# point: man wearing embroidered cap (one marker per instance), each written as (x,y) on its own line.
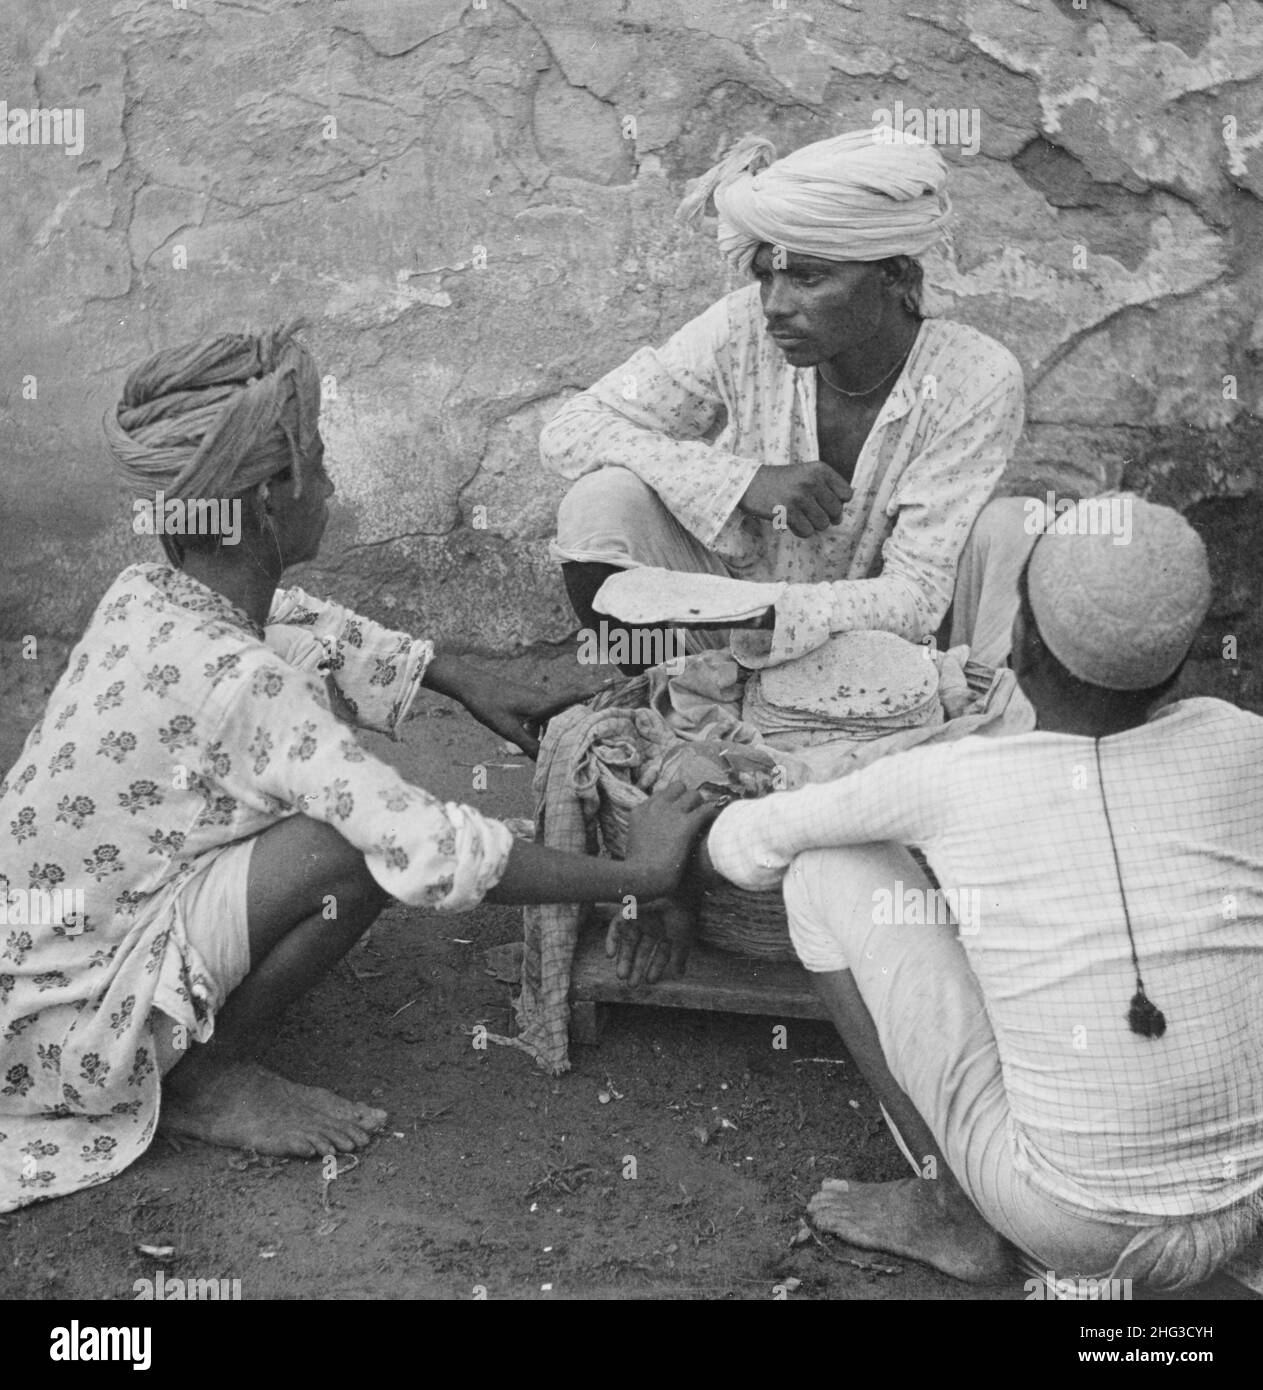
(1080,1069)
(813,427)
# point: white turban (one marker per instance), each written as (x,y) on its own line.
(863,196)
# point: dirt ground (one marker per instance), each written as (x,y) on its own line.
(491,1177)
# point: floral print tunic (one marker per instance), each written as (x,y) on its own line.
(696,418)
(178,728)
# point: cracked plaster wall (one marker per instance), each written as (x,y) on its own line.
(1108,232)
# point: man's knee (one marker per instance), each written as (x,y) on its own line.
(985,600)
(812,931)
(609,494)
(309,859)
(1001,525)
(838,896)
(348,882)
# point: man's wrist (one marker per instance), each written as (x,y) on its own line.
(447,675)
(643,881)
(743,503)
(701,867)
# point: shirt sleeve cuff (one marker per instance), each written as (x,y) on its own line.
(480,872)
(802,625)
(736,848)
(723,515)
(416,665)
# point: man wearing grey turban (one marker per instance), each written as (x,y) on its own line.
(812,428)
(193,833)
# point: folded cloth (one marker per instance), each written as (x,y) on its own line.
(713,766)
(704,699)
(626,737)
(575,745)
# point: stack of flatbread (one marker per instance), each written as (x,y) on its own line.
(857,686)
(645,596)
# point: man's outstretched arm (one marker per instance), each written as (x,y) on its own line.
(903,798)
(515,711)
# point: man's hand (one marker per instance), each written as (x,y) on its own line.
(660,837)
(514,711)
(661,833)
(805,497)
(650,937)
(656,940)
(518,713)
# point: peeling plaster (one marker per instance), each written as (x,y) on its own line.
(503,129)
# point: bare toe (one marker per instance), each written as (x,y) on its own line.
(922,1219)
(344,1111)
(243,1105)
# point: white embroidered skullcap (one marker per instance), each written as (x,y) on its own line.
(1119,606)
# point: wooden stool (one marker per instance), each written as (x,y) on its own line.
(712,980)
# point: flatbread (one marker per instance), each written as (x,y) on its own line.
(874,676)
(645,595)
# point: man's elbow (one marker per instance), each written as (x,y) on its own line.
(565,443)
(923,608)
(552,451)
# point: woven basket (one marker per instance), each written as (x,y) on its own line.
(731,919)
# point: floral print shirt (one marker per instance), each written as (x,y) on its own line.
(696,418)
(179,728)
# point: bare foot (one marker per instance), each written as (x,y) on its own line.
(242,1105)
(921,1218)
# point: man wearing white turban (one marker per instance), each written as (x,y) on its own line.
(812,428)
(193,833)
(1075,1068)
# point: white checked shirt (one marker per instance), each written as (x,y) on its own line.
(1103,1120)
(696,418)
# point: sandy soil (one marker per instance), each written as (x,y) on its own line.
(491,1175)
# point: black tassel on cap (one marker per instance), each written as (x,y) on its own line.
(1144,1016)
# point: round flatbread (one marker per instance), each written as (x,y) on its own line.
(647,595)
(855,675)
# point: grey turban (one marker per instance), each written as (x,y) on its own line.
(193,419)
